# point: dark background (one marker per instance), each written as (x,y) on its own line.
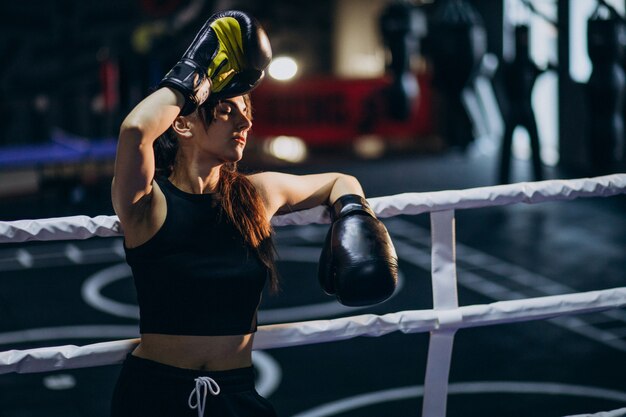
(52,55)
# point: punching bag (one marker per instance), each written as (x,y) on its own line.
(401,25)
(605,92)
(458,43)
(519,76)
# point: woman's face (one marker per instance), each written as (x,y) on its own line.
(227,134)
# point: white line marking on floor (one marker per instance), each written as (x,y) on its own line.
(118,248)
(470,261)
(91,292)
(73,253)
(478,387)
(615,413)
(24,258)
(269,372)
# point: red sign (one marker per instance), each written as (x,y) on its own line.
(333,111)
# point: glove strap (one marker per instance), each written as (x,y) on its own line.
(191,80)
(350,204)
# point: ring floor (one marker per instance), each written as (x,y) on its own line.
(560,367)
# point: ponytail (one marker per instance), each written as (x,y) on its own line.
(244,208)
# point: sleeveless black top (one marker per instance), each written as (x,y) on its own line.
(196,276)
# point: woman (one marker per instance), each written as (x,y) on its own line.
(198,239)
(206,151)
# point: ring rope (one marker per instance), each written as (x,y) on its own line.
(444,320)
(84,227)
(322,331)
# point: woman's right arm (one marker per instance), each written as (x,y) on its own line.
(134,161)
(238,69)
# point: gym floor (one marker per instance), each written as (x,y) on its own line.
(567,366)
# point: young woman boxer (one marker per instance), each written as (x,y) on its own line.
(197,233)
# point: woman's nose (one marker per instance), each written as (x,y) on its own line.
(244,122)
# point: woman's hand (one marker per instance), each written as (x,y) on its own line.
(227,58)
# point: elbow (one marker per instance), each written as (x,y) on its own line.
(131,128)
(348,180)
(134,129)
(344,184)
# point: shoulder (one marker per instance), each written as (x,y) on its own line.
(275,185)
(269,186)
(264,180)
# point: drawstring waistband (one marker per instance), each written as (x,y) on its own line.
(204,385)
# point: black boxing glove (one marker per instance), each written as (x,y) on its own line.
(358,262)
(238,67)
(227,58)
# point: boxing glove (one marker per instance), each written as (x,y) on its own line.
(358,263)
(227,58)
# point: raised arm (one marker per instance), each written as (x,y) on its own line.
(134,161)
(227,58)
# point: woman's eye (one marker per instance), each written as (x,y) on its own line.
(224,109)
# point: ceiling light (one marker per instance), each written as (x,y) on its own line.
(283,68)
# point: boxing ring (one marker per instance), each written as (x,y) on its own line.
(442,322)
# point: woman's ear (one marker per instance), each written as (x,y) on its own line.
(182,126)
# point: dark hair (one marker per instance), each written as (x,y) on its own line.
(240,199)
(165,150)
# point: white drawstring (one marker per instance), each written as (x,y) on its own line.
(204,385)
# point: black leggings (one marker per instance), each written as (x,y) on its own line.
(151,389)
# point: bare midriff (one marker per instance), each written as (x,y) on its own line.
(210,353)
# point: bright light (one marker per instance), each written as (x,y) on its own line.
(287,148)
(369,146)
(283,68)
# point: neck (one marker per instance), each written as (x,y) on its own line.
(196,181)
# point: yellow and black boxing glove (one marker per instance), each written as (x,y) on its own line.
(227,58)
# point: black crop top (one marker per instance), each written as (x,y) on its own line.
(196,276)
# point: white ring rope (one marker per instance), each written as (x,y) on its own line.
(84,227)
(321,331)
(442,322)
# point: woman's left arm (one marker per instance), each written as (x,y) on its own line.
(358,262)
(285,192)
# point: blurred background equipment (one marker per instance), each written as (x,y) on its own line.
(367,78)
(520,75)
(457,45)
(402,25)
(606,39)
